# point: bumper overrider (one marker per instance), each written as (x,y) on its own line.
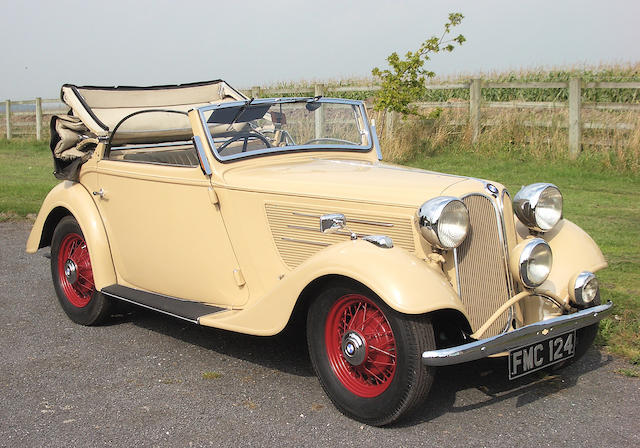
(529,334)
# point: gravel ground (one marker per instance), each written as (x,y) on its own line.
(145,379)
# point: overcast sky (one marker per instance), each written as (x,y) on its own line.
(46,43)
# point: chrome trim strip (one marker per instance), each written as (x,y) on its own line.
(153,145)
(529,334)
(315,243)
(374,137)
(455,263)
(356,221)
(202,156)
(505,239)
(308,215)
(312,229)
(119,297)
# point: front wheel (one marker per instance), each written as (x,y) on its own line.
(73,275)
(367,356)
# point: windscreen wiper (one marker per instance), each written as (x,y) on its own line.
(240,110)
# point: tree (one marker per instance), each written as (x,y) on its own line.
(404,81)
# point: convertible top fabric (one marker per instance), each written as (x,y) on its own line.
(101,108)
(95,111)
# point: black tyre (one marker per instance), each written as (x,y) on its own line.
(73,276)
(367,356)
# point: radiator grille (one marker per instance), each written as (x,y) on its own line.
(483,277)
(296,230)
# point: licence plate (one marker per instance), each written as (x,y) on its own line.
(530,358)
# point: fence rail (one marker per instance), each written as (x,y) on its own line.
(475,104)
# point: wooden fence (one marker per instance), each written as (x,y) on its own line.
(475,105)
(12,125)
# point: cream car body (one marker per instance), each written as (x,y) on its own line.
(241,236)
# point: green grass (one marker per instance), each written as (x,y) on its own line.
(599,199)
(631,373)
(26,177)
(211,375)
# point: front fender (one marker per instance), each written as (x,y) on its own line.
(406,283)
(573,251)
(75,199)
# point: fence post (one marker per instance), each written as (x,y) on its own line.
(319,114)
(38,118)
(7,114)
(255,92)
(475,98)
(389,123)
(575,124)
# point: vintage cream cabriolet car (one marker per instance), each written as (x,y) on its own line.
(244,214)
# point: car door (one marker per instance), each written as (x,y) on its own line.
(165,231)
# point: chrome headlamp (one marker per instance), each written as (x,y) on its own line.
(538,206)
(444,221)
(583,289)
(531,262)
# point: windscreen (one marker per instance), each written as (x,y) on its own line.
(264,126)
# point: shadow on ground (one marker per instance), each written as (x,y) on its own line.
(288,353)
(489,377)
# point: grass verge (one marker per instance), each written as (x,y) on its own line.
(600,200)
(25,177)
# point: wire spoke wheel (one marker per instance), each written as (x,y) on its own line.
(72,275)
(368,357)
(74,270)
(360,345)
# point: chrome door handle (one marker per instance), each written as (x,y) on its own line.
(99,193)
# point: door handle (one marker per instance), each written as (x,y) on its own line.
(99,193)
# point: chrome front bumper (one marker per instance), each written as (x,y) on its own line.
(529,334)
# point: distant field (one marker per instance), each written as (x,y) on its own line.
(601,200)
(607,72)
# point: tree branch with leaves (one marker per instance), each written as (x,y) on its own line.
(404,82)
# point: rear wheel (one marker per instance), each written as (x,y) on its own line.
(368,356)
(73,275)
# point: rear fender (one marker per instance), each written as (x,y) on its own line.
(71,198)
(404,282)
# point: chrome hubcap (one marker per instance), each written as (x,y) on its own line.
(71,271)
(354,348)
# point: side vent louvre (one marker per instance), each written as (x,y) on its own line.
(296,230)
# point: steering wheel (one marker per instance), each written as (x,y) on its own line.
(246,136)
(335,140)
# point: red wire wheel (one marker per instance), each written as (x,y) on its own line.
(74,270)
(360,345)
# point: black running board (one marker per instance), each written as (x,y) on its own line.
(182,309)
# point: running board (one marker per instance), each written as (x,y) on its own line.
(182,309)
